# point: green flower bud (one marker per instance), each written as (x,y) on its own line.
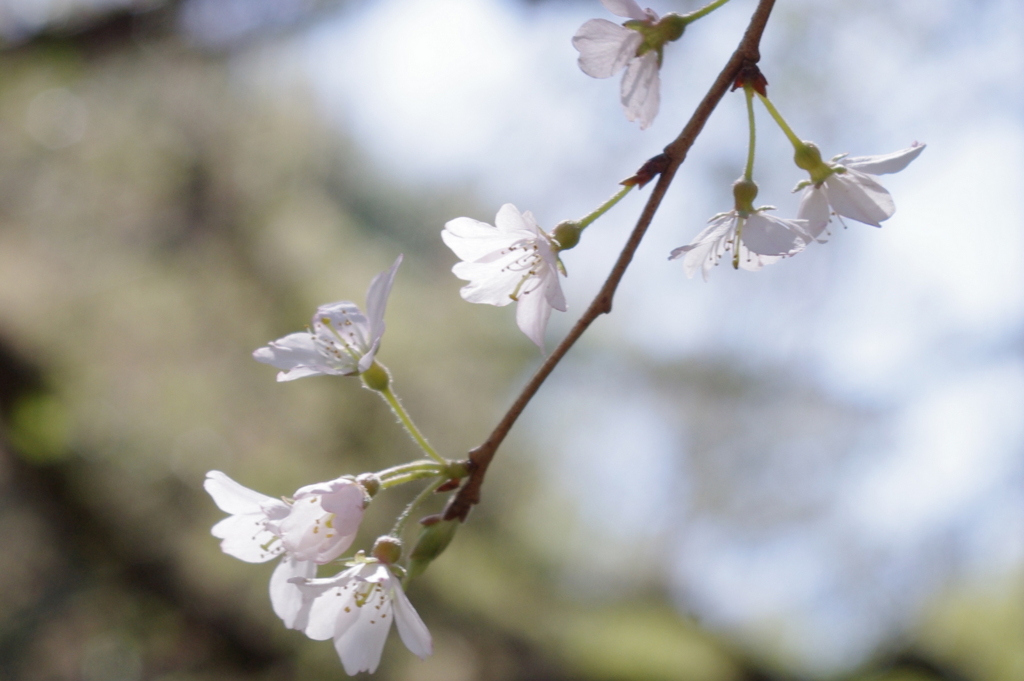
(387,550)
(376,378)
(433,540)
(566,234)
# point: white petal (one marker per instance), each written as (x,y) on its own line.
(640,89)
(247,538)
(532,313)
(471,239)
(285,596)
(296,353)
(377,301)
(814,209)
(490,283)
(625,8)
(888,163)
(605,48)
(513,223)
(232,497)
(707,248)
(752,262)
(411,629)
(858,197)
(766,234)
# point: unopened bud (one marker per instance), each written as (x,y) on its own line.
(566,234)
(376,378)
(433,540)
(387,550)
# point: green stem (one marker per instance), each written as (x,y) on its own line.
(794,140)
(407,472)
(408,477)
(410,427)
(584,222)
(704,11)
(748,173)
(396,531)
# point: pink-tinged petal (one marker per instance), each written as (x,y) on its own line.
(815,210)
(532,314)
(330,600)
(626,8)
(285,596)
(605,48)
(377,300)
(411,629)
(246,538)
(360,647)
(346,500)
(768,235)
(232,497)
(304,530)
(359,643)
(858,197)
(641,89)
(888,163)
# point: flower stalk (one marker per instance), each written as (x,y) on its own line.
(704,11)
(424,494)
(372,380)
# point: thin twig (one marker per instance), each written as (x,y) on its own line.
(480,458)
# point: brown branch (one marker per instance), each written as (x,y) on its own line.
(747,52)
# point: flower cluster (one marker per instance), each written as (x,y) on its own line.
(637,46)
(513,260)
(314,528)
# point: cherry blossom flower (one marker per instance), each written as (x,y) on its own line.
(512,260)
(762,239)
(315,528)
(606,48)
(342,340)
(847,187)
(355,608)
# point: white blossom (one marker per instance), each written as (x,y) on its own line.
(315,528)
(763,239)
(512,260)
(342,341)
(355,608)
(851,190)
(606,48)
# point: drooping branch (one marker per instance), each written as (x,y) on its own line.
(748,52)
